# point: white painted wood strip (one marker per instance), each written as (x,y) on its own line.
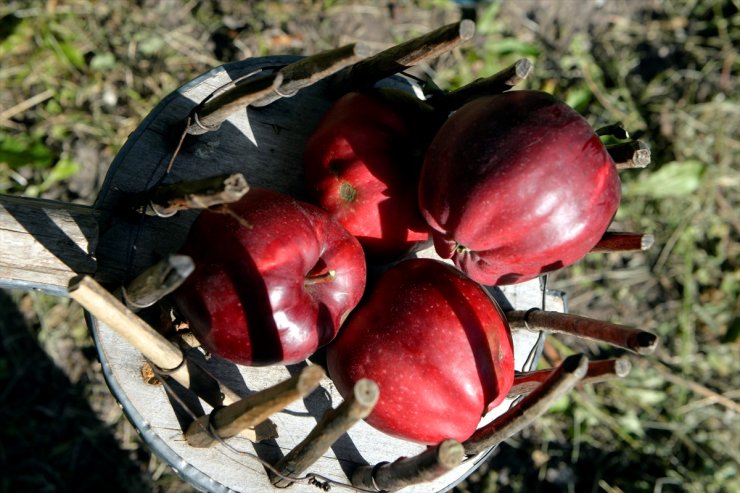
(45,243)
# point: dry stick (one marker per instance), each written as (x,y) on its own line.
(613,241)
(406,471)
(332,425)
(167,200)
(210,114)
(563,379)
(162,353)
(158,281)
(639,341)
(598,371)
(400,57)
(627,155)
(253,409)
(311,69)
(494,84)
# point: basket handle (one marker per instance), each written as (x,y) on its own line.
(46,243)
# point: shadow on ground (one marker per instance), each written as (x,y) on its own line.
(50,438)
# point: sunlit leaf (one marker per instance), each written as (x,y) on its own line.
(22,150)
(63,169)
(674,179)
(103,61)
(73,55)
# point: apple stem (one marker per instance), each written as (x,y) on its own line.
(253,409)
(402,56)
(616,130)
(166,358)
(636,340)
(494,84)
(613,241)
(532,406)
(333,424)
(407,471)
(157,281)
(327,276)
(628,155)
(598,371)
(167,200)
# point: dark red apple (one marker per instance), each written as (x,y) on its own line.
(517,185)
(437,345)
(362,164)
(274,279)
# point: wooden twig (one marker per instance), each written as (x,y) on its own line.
(616,130)
(494,84)
(165,356)
(639,341)
(332,425)
(311,69)
(598,371)
(428,465)
(400,57)
(167,200)
(209,115)
(613,241)
(563,379)
(253,409)
(632,154)
(158,281)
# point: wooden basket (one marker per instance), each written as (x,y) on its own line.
(53,243)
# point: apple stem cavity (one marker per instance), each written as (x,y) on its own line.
(613,241)
(402,56)
(167,200)
(347,192)
(256,408)
(157,281)
(558,383)
(165,357)
(494,84)
(597,372)
(407,471)
(333,424)
(327,276)
(629,155)
(636,340)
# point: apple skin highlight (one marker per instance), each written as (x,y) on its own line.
(254,298)
(437,345)
(517,185)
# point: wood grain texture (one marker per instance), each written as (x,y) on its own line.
(45,244)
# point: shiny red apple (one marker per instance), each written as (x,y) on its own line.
(362,164)
(517,185)
(437,345)
(274,279)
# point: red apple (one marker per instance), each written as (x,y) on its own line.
(274,279)
(437,345)
(517,185)
(362,164)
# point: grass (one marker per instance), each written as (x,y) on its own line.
(77,78)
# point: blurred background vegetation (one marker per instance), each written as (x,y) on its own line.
(77,77)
